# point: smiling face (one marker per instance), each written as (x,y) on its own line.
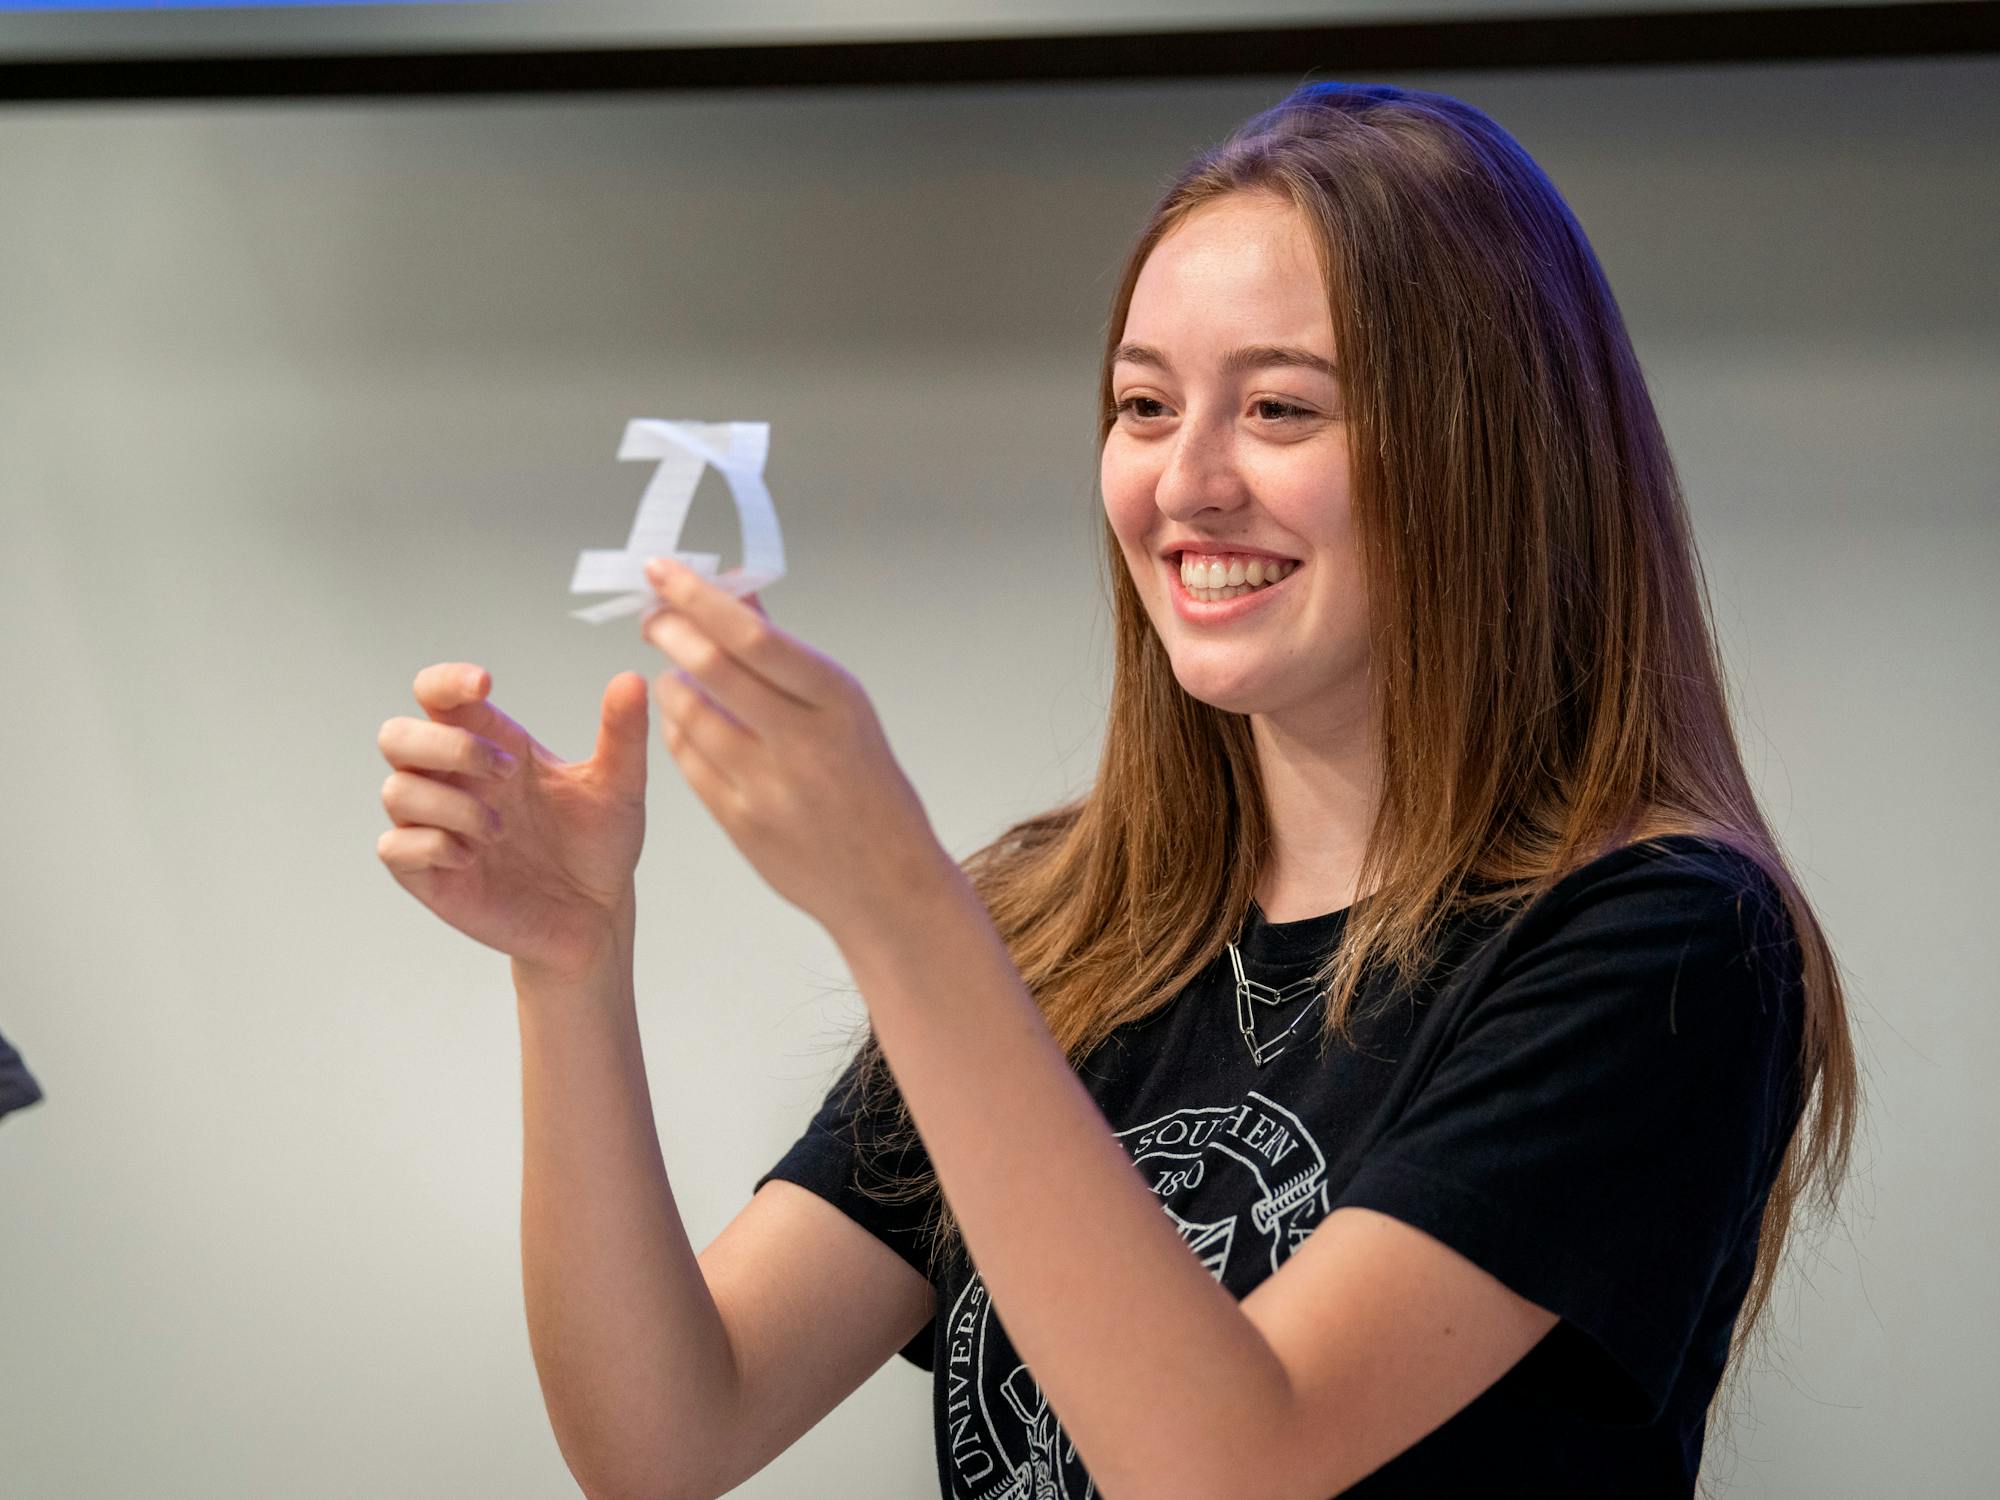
(1227,466)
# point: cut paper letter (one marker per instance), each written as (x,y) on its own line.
(681,450)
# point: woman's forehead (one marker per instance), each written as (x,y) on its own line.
(1241,270)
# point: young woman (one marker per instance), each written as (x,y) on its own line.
(1396,1076)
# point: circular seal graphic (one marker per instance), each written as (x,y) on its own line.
(1245,1181)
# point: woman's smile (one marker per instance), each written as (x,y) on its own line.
(1215,599)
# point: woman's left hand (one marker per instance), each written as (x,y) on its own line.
(785,751)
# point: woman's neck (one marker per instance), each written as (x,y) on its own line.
(1321,783)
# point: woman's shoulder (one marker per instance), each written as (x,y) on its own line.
(1675,857)
(1655,864)
(1684,894)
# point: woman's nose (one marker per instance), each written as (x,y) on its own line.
(1200,474)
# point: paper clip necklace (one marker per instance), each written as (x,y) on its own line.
(1250,994)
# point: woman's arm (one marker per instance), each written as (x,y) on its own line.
(634,1358)
(1147,1360)
(1166,1385)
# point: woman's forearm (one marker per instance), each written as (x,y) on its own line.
(1127,1333)
(634,1360)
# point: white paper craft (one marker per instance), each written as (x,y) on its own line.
(682,449)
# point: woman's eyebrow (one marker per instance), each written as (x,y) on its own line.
(1250,357)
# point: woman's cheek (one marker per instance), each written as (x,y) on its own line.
(1128,502)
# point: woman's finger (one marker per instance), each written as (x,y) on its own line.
(745,633)
(447,685)
(416,800)
(410,850)
(747,698)
(688,724)
(427,745)
(726,743)
(454,692)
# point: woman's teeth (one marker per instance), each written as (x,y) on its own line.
(1210,577)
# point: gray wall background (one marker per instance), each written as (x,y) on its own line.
(296,399)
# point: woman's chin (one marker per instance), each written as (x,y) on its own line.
(1232,694)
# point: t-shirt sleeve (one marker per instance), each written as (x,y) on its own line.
(1613,1110)
(18,1088)
(823,1160)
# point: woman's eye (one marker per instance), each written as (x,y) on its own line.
(1280,411)
(1145,408)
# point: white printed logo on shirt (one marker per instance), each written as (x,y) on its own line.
(1260,1165)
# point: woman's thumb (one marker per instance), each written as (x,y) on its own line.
(621,729)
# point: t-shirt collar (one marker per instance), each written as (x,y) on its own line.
(1306,940)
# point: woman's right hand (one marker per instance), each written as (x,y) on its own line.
(512,845)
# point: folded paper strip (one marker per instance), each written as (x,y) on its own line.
(681,450)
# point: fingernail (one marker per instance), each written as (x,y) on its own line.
(472,682)
(656,568)
(504,764)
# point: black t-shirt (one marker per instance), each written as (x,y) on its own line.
(1591,1107)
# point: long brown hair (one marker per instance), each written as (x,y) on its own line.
(1545,678)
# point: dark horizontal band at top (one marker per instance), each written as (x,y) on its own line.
(1611,39)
